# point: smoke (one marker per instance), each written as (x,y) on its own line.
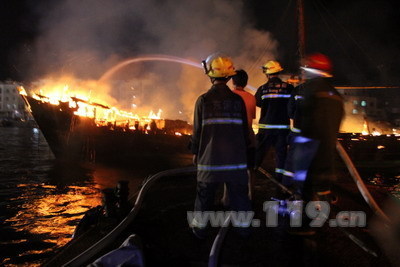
(86,38)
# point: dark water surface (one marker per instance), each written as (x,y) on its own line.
(42,200)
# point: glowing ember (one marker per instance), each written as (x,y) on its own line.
(376,133)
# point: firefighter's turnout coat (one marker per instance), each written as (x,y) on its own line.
(322,112)
(273,98)
(220,136)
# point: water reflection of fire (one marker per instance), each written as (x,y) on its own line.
(55,214)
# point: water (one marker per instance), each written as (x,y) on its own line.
(167,58)
(41,200)
(144,58)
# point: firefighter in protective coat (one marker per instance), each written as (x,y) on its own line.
(219,143)
(272,97)
(322,112)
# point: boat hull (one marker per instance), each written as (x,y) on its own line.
(76,138)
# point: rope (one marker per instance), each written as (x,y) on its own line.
(272,179)
(364,87)
(337,39)
(344,30)
(264,52)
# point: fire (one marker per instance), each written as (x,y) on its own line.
(101,113)
(87,105)
(157,116)
(376,133)
(365,128)
(21,90)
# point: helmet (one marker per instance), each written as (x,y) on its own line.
(318,64)
(272,67)
(219,66)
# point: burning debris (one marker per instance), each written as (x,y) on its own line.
(108,116)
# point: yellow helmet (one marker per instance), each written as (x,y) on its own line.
(272,67)
(219,66)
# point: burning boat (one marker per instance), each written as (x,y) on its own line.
(78,129)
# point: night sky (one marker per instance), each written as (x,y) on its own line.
(360,36)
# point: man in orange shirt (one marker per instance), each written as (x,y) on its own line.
(239,83)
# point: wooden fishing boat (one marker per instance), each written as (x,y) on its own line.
(161,143)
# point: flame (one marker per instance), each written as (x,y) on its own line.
(21,90)
(376,133)
(152,115)
(87,105)
(365,128)
(83,106)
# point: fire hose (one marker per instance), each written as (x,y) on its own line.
(360,183)
(217,244)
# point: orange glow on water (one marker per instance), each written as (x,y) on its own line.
(54,214)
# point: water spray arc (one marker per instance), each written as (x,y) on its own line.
(107,75)
(144,58)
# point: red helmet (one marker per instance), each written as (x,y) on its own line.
(319,64)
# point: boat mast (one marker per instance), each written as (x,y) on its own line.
(301,30)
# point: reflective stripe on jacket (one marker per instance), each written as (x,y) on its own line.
(271,126)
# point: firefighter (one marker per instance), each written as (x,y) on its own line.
(219,143)
(322,112)
(272,97)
